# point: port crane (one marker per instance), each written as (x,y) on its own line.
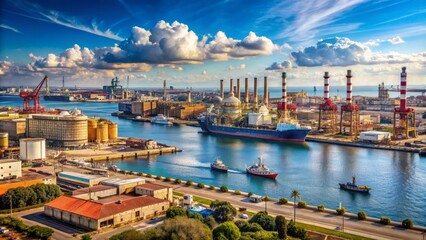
(33,96)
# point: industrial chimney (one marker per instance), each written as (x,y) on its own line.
(238,89)
(164,93)
(246,100)
(255,93)
(349,87)
(189,96)
(231,85)
(284,92)
(403,90)
(222,93)
(326,87)
(265,91)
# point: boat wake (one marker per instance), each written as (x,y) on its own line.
(236,171)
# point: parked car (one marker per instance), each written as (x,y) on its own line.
(4,230)
(244,216)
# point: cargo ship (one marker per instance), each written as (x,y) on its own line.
(282,132)
(59,98)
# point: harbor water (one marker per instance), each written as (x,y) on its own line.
(397,179)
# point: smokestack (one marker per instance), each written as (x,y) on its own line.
(63,85)
(284,91)
(238,89)
(326,87)
(403,90)
(231,85)
(255,93)
(222,93)
(189,96)
(246,100)
(164,93)
(234,90)
(349,87)
(265,91)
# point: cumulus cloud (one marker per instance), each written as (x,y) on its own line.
(242,66)
(280,66)
(396,40)
(344,52)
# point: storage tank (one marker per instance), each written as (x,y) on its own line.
(92,125)
(102,132)
(32,148)
(4,140)
(112,131)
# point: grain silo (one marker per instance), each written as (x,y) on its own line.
(112,131)
(92,125)
(4,140)
(32,149)
(102,132)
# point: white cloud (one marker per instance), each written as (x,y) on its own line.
(179,69)
(204,72)
(344,52)
(280,66)
(242,66)
(286,46)
(9,28)
(396,40)
(373,43)
(230,68)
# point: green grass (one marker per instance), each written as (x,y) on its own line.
(196,198)
(7,211)
(331,232)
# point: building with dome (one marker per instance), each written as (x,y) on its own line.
(262,117)
(230,107)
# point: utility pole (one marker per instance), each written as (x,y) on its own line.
(266,204)
(10,200)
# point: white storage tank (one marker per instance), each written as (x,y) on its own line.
(32,149)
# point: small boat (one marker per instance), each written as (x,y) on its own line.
(259,169)
(351,186)
(161,119)
(218,166)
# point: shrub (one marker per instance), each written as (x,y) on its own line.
(189,183)
(139,174)
(264,220)
(210,221)
(321,208)
(281,226)
(149,175)
(167,179)
(177,180)
(283,200)
(249,194)
(295,231)
(228,230)
(175,211)
(224,189)
(340,211)
(362,215)
(86,237)
(301,204)
(237,192)
(385,220)
(40,232)
(200,185)
(158,177)
(266,198)
(407,223)
(212,187)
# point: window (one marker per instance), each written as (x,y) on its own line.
(163,208)
(10,166)
(138,214)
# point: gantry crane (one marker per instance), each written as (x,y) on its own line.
(33,96)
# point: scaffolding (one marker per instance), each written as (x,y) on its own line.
(349,113)
(327,121)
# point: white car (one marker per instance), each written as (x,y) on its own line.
(244,216)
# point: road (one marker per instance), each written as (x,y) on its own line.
(313,217)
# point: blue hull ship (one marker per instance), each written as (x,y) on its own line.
(283,132)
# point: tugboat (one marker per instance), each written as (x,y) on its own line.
(351,186)
(218,166)
(161,119)
(259,169)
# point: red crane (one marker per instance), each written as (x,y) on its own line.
(33,96)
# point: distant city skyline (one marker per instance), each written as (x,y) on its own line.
(198,43)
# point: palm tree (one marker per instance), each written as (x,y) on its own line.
(295,194)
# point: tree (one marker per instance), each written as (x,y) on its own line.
(264,220)
(179,228)
(223,211)
(228,230)
(295,194)
(362,215)
(224,189)
(281,226)
(86,237)
(210,222)
(283,201)
(40,232)
(175,211)
(407,223)
(130,234)
(245,226)
(195,216)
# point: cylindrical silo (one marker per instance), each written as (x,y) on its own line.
(102,132)
(32,149)
(4,140)
(112,131)
(92,125)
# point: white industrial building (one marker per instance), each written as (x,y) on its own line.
(32,149)
(374,136)
(10,168)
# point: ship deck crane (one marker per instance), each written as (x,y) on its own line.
(33,96)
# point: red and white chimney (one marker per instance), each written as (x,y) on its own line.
(284,92)
(326,87)
(349,87)
(403,90)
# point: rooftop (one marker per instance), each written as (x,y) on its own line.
(151,186)
(8,161)
(96,210)
(119,181)
(80,175)
(97,188)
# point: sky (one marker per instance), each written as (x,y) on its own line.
(197,43)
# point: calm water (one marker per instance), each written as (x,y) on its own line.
(315,169)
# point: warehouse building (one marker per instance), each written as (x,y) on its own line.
(155,190)
(64,130)
(374,136)
(16,128)
(95,193)
(123,185)
(79,179)
(10,168)
(95,215)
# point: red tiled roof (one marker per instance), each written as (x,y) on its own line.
(77,206)
(97,210)
(151,186)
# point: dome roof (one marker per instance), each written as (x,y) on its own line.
(263,110)
(231,101)
(217,99)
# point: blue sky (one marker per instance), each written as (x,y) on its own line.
(196,43)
